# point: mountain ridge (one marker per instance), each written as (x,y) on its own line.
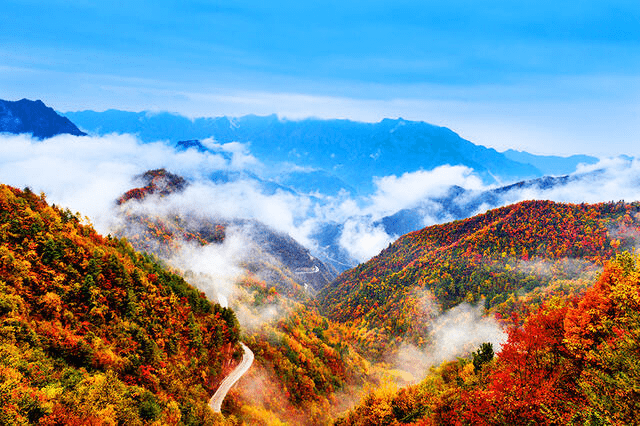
(353,152)
(26,116)
(551,164)
(486,257)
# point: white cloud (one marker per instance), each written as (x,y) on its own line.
(241,158)
(456,332)
(611,179)
(394,193)
(87,174)
(362,240)
(463,328)
(213,268)
(84,174)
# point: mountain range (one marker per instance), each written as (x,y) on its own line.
(358,151)
(320,159)
(331,154)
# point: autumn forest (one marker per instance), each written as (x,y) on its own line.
(336,213)
(95,332)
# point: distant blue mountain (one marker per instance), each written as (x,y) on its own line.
(315,181)
(550,164)
(34,117)
(342,150)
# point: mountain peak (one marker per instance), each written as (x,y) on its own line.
(27,116)
(157,181)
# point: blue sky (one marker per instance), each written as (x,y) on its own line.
(547,77)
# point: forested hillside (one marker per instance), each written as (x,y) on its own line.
(154,228)
(572,361)
(306,372)
(93,332)
(531,248)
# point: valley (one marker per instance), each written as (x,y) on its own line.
(222,288)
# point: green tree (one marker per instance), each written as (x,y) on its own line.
(483,355)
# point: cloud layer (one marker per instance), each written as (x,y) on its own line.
(87,174)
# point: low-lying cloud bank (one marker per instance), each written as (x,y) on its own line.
(87,174)
(611,179)
(454,333)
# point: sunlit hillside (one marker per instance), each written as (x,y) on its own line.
(93,332)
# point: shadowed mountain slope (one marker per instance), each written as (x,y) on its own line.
(25,116)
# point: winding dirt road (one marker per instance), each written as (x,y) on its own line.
(216,400)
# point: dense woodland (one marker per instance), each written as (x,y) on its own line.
(305,368)
(93,331)
(506,258)
(570,361)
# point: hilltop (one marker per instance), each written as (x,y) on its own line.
(274,256)
(493,258)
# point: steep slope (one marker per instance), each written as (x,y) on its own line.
(302,360)
(494,256)
(569,362)
(347,151)
(272,255)
(91,331)
(25,116)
